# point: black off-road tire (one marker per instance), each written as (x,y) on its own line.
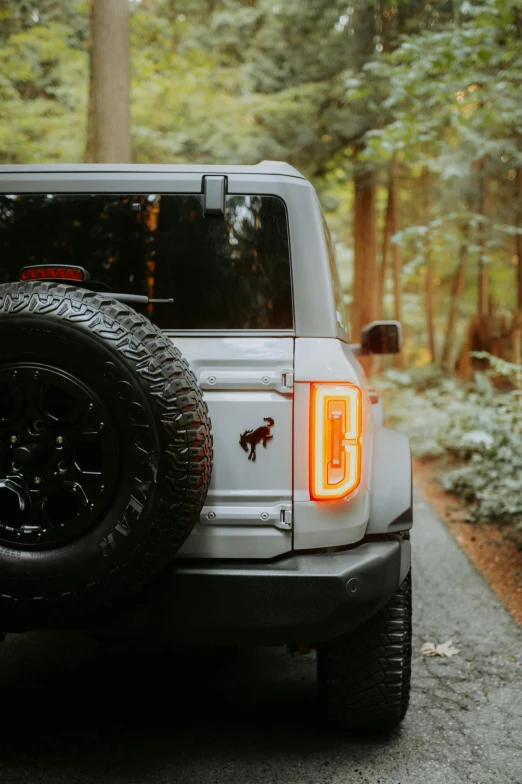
(159,421)
(364,676)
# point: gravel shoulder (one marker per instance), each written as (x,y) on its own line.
(76,712)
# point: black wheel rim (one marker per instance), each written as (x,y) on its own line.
(59,456)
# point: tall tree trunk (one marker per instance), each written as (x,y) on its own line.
(397,256)
(516,339)
(364,307)
(518,240)
(430,284)
(517,324)
(108,125)
(457,291)
(387,234)
(483,282)
(174,26)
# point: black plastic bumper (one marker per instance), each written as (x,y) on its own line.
(299,598)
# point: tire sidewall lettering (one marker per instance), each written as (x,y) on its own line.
(144,459)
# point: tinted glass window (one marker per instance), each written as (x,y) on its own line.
(223,273)
(340,309)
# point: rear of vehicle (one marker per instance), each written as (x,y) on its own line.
(294,513)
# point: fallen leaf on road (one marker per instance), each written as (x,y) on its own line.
(444,649)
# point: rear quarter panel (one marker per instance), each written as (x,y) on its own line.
(328,523)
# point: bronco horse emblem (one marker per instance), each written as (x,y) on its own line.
(251,438)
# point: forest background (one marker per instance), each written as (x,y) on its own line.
(406,116)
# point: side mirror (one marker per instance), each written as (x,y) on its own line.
(381,337)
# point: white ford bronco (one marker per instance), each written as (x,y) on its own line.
(188,444)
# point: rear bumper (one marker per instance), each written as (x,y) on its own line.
(299,598)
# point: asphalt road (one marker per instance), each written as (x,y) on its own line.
(74,712)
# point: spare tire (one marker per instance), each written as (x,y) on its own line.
(105,450)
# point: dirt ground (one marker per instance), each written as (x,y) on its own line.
(489,547)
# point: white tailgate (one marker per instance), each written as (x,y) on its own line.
(246,381)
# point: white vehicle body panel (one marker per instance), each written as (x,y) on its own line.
(247,501)
(327,523)
(248,508)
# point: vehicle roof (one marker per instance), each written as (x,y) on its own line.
(269,168)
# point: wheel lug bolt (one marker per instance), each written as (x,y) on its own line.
(38,425)
(62,467)
(15,467)
(101,425)
(37,480)
(60,440)
(14,439)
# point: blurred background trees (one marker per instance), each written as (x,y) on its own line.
(406,114)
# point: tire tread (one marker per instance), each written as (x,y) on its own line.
(364,676)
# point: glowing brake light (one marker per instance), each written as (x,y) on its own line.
(52,272)
(335,440)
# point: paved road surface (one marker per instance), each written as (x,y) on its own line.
(74,713)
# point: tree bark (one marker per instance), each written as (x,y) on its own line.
(517,325)
(397,256)
(108,125)
(483,282)
(387,234)
(518,241)
(173,16)
(516,339)
(457,291)
(365,304)
(430,284)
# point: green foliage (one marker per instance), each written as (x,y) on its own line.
(453,91)
(315,82)
(212,81)
(42,95)
(478,430)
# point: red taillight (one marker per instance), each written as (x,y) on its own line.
(76,274)
(335,440)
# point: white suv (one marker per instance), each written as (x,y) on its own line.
(187,440)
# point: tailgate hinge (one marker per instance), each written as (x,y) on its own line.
(285,520)
(287,382)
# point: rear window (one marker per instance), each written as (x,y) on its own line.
(229,273)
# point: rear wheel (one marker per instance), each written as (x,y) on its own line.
(364,676)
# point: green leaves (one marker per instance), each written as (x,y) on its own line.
(477,426)
(310,81)
(42,95)
(462,78)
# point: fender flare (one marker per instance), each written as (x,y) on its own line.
(391,504)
